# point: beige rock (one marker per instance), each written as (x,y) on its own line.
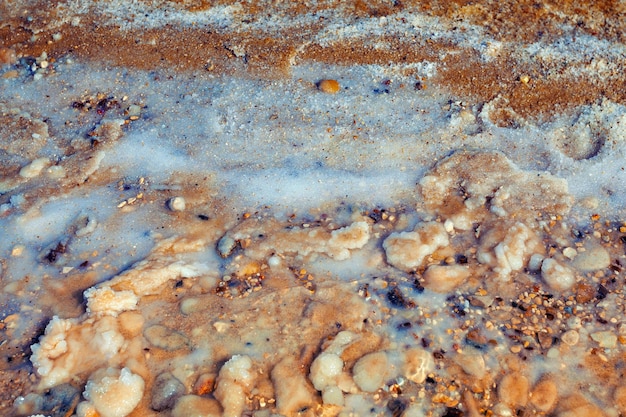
(417,364)
(472,363)
(370,372)
(445,278)
(195,406)
(606,339)
(513,389)
(578,406)
(291,388)
(544,395)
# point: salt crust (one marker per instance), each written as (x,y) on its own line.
(70,347)
(73,346)
(469,185)
(407,250)
(336,244)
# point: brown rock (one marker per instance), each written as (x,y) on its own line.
(513,389)
(584,292)
(544,396)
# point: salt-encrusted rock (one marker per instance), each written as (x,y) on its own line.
(292,390)
(195,406)
(34,168)
(325,370)
(69,348)
(592,259)
(417,364)
(513,390)
(104,300)
(544,395)
(558,276)
(508,249)
(114,393)
(407,250)
(445,278)
(370,372)
(234,382)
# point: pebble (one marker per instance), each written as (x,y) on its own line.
(176,204)
(513,389)
(60,401)
(570,337)
(369,372)
(328,86)
(165,391)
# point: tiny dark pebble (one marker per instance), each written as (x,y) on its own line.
(453,412)
(60,401)
(165,391)
(397,406)
(203,217)
(602,292)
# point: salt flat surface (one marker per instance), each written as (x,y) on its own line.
(305,166)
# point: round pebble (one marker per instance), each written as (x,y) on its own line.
(176,204)
(328,86)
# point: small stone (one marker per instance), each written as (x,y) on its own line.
(584,292)
(369,372)
(472,363)
(545,340)
(328,86)
(443,279)
(176,204)
(570,253)
(570,337)
(524,79)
